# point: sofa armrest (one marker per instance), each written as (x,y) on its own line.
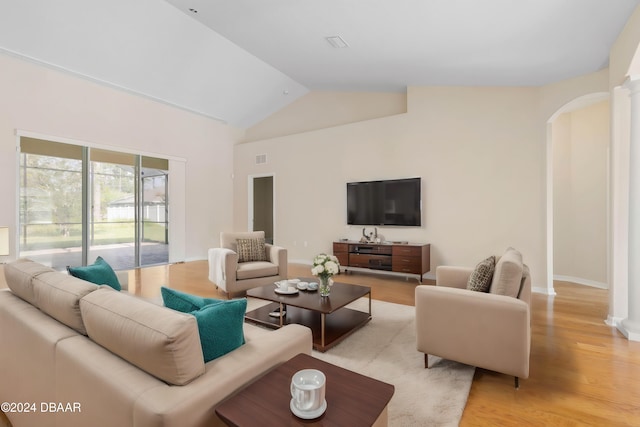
(223,264)
(194,404)
(278,256)
(453,277)
(484,330)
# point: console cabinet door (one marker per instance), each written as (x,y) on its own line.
(341,251)
(407,259)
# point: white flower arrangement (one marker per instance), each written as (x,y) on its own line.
(325,266)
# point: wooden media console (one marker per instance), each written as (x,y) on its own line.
(409,258)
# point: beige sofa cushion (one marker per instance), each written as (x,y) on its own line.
(158,340)
(251,270)
(59,294)
(19,274)
(508,274)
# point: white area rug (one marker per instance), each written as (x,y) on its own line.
(385,349)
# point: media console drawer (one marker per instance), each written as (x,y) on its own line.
(397,257)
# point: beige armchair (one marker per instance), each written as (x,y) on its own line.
(243,261)
(489,330)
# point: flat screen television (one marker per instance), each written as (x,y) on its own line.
(390,202)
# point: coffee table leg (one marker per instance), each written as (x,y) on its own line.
(282,307)
(322,316)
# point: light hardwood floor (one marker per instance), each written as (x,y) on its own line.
(583,372)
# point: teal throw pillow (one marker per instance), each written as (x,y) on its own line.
(100,273)
(220,326)
(181,301)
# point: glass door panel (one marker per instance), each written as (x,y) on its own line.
(112,213)
(50,211)
(78,203)
(154,236)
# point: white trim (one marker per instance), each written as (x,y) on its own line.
(580,281)
(36,135)
(613,321)
(544,291)
(628,331)
(549,209)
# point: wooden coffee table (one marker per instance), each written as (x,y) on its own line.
(327,317)
(352,399)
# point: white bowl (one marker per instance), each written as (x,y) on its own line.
(302,285)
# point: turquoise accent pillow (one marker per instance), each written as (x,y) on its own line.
(100,273)
(220,326)
(184,302)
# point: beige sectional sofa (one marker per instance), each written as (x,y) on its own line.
(77,354)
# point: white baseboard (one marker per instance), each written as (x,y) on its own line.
(613,321)
(544,291)
(580,281)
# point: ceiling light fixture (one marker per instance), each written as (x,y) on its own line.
(337,42)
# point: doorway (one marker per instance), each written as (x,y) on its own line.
(261,205)
(577,192)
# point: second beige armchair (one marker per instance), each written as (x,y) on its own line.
(490,330)
(244,261)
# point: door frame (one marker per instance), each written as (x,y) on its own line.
(250,200)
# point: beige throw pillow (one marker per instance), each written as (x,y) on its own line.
(480,278)
(251,250)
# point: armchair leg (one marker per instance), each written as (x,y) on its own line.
(517,383)
(426,361)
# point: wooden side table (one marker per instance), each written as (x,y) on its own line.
(352,399)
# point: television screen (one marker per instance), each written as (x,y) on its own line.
(390,202)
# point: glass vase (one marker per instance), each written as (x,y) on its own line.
(324,287)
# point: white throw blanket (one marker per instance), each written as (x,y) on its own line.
(217,258)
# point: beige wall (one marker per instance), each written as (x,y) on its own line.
(580,155)
(479,151)
(320,110)
(623,53)
(49,102)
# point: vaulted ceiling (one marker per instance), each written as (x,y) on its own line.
(242,60)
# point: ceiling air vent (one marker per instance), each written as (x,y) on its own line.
(261,159)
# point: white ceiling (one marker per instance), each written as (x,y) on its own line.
(398,43)
(242,60)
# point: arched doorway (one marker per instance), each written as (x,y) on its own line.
(577,192)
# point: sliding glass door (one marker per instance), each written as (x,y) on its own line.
(154,229)
(78,203)
(51,202)
(112,222)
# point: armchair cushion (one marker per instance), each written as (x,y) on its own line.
(508,275)
(480,279)
(251,270)
(251,250)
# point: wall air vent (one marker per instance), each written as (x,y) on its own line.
(261,159)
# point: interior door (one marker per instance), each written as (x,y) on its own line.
(263,206)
